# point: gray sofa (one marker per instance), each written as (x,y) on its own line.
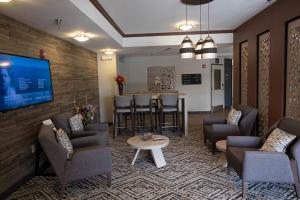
(253,165)
(216,128)
(99,131)
(90,158)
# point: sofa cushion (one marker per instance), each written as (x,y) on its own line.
(235,157)
(63,139)
(76,124)
(278,141)
(234,117)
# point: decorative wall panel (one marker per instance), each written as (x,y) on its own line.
(244,72)
(293,70)
(263,81)
(161,79)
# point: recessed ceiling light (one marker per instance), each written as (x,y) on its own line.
(185,27)
(81,37)
(5,1)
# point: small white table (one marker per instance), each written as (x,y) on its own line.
(139,144)
(221,146)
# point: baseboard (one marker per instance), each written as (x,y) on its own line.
(21,182)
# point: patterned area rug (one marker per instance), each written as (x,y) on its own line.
(192,172)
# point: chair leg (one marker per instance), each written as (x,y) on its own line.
(245,188)
(297,188)
(62,192)
(204,140)
(214,148)
(108,174)
(228,169)
(151,122)
(119,123)
(114,121)
(160,122)
(132,123)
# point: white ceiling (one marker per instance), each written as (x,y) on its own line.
(41,14)
(133,16)
(144,16)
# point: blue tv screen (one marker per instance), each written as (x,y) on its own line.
(23,82)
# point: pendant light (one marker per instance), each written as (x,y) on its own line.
(209,48)
(187,50)
(199,44)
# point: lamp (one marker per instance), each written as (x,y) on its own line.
(209,47)
(5,1)
(81,37)
(187,49)
(198,49)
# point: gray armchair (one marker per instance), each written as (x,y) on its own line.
(216,128)
(89,157)
(253,165)
(100,131)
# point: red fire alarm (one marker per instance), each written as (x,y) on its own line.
(203,65)
(42,54)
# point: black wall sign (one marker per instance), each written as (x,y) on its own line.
(191,79)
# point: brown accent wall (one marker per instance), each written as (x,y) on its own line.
(274,19)
(74,74)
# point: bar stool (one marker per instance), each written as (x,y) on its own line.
(123,107)
(169,105)
(142,107)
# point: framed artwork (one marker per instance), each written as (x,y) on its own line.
(161,79)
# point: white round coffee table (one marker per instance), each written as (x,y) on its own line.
(139,144)
(221,146)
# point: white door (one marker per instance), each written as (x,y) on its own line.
(217,83)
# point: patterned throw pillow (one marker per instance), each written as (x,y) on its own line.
(278,141)
(76,123)
(63,139)
(234,117)
(48,122)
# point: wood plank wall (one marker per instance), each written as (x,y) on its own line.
(74,74)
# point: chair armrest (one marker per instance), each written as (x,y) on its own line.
(214,120)
(83,134)
(90,161)
(96,127)
(90,140)
(225,129)
(243,141)
(267,166)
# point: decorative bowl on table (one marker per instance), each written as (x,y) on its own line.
(147,136)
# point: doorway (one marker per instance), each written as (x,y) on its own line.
(217,87)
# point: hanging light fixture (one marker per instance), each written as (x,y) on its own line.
(187,49)
(198,49)
(209,47)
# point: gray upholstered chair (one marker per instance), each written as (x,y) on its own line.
(169,105)
(100,129)
(89,159)
(142,105)
(259,166)
(123,107)
(216,128)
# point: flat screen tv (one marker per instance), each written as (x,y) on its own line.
(24,81)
